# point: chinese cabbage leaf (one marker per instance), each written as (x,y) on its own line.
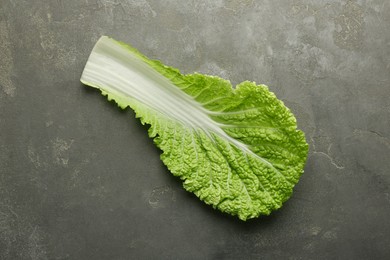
(236,149)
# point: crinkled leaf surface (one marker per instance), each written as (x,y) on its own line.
(236,149)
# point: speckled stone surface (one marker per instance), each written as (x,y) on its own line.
(80,179)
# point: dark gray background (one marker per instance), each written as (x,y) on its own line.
(80,179)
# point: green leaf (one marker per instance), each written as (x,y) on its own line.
(236,149)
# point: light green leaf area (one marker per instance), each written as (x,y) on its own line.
(237,149)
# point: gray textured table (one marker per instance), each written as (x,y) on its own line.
(80,179)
